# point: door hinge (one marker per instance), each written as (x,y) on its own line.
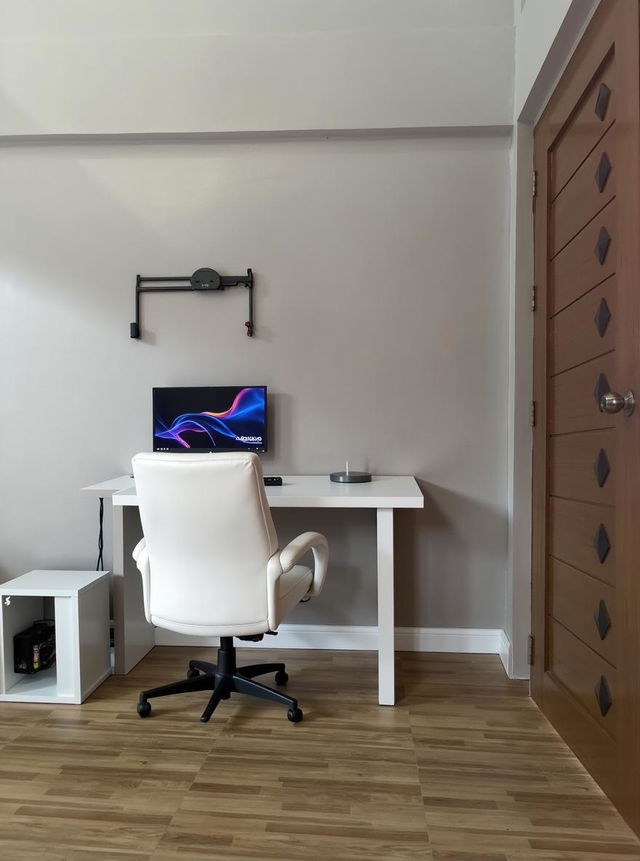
(532,414)
(534,184)
(531,645)
(533,297)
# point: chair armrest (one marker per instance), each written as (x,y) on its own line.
(317,544)
(137,550)
(141,557)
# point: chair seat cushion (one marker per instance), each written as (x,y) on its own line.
(292,586)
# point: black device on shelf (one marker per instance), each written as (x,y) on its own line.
(34,649)
(273,481)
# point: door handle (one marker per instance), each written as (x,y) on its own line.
(612,402)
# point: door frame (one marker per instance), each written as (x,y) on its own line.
(519,395)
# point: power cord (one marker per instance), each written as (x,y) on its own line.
(100,562)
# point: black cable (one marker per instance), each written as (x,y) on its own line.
(100,562)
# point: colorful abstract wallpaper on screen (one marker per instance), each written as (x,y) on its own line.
(209,418)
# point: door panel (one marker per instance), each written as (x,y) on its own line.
(582,733)
(583,535)
(583,467)
(588,191)
(587,127)
(575,396)
(587,676)
(585,606)
(585,329)
(579,267)
(586,464)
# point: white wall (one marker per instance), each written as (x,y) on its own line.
(381,260)
(381,311)
(142,66)
(546,34)
(518,592)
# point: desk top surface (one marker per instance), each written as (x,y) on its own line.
(301,491)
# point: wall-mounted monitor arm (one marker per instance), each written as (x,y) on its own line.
(202,280)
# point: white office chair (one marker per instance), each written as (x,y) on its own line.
(211,566)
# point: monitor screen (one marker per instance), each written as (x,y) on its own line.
(212,418)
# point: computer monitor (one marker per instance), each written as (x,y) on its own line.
(210,418)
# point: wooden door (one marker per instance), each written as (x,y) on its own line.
(586,494)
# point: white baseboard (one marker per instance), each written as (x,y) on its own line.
(506,655)
(487,641)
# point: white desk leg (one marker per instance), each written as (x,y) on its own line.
(133,635)
(386,622)
(117,581)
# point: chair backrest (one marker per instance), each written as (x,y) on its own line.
(209,533)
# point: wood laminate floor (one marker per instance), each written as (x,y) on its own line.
(464,768)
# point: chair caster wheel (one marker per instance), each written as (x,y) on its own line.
(144,709)
(281,677)
(295,715)
(191,674)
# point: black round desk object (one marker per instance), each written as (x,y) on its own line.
(205,279)
(350,477)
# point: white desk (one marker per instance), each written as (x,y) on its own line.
(134,637)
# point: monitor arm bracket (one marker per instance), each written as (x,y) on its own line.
(202,280)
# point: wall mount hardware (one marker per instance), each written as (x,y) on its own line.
(203,280)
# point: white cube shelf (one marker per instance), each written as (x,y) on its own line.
(80,602)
